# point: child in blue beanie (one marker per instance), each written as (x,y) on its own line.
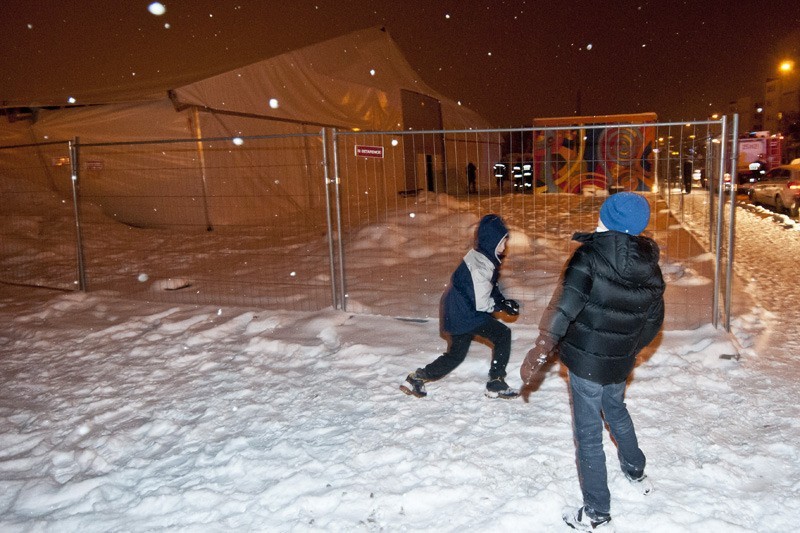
(609,306)
(467,308)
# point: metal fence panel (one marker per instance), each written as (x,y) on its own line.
(257,214)
(554,182)
(277,232)
(37,222)
(389,197)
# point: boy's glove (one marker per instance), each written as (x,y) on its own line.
(537,357)
(511,307)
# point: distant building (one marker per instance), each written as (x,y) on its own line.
(751,114)
(781,96)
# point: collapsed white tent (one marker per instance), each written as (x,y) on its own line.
(354,81)
(359,81)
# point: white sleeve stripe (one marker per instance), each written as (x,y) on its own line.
(481,270)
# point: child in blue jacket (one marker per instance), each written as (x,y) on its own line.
(467,309)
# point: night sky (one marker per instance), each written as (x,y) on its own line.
(508,60)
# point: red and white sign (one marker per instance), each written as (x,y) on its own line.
(369,151)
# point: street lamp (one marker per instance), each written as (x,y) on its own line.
(780,94)
(788,104)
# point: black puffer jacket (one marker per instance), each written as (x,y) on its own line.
(610,305)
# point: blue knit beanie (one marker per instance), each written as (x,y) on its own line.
(626,212)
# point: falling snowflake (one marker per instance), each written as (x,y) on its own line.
(157,8)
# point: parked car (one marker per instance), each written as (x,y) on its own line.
(778,188)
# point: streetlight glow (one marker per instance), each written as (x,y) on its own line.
(786,66)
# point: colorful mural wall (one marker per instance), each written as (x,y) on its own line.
(609,158)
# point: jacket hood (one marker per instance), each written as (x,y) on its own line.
(491,231)
(633,257)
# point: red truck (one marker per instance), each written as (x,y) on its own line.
(758,153)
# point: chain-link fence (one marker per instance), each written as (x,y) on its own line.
(547,182)
(38,234)
(306,221)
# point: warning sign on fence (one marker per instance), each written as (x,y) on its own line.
(369,151)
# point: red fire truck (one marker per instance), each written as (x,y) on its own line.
(758,152)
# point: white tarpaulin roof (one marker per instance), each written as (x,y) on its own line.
(359,81)
(351,81)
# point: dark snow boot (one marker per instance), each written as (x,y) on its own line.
(414,385)
(584,520)
(498,388)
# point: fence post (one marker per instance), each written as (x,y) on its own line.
(327,182)
(338,201)
(710,184)
(74,169)
(732,219)
(720,204)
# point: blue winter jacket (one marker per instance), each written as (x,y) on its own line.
(473,295)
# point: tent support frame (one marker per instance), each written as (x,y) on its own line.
(198,134)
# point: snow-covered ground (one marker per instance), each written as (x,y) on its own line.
(122,415)
(766,251)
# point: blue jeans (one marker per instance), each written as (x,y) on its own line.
(591,402)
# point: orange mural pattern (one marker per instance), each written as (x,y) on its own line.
(582,159)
